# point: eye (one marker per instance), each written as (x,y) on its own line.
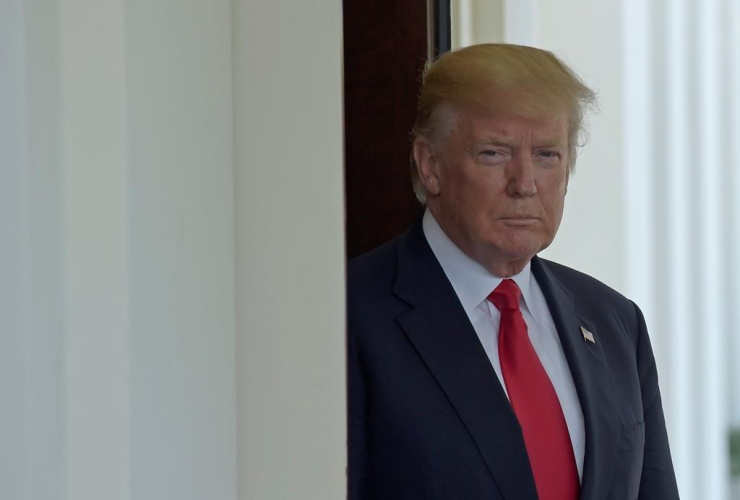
(549,156)
(492,156)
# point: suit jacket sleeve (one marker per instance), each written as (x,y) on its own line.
(658,479)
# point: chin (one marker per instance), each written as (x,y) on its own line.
(520,243)
(523,251)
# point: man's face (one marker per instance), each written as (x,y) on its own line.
(496,184)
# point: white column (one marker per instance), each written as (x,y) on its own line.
(289,249)
(733,166)
(180,209)
(95,188)
(13,228)
(637,150)
(117,295)
(121,310)
(676,346)
(711,329)
(36,344)
(685,45)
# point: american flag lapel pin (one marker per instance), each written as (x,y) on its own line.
(588,335)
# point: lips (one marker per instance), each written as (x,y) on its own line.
(519,220)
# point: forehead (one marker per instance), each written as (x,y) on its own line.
(510,112)
(485,126)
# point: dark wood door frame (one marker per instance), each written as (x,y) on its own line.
(386,46)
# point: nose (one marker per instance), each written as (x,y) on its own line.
(520,180)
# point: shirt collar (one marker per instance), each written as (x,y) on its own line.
(472,282)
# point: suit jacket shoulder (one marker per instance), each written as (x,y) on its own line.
(370,282)
(373,269)
(594,299)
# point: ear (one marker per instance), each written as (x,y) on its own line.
(427,165)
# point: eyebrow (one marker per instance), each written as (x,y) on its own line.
(493,141)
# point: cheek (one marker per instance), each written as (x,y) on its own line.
(473,195)
(554,201)
(554,188)
(556,211)
(557,198)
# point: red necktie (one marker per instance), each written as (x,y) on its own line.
(534,401)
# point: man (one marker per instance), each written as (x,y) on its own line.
(477,370)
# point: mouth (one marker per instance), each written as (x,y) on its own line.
(519,220)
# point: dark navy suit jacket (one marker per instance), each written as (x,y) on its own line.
(428,418)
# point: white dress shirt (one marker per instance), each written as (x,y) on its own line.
(472,284)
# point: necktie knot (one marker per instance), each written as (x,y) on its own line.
(506,296)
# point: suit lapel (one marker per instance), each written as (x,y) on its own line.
(441,333)
(592,380)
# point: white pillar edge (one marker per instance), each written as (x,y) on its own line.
(637,140)
(43,301)
(679,258)
(734,168)
(290,254)
(14,456)
(710,342)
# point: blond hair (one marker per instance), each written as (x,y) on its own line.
(536,79)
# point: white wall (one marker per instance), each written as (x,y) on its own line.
(290,249)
